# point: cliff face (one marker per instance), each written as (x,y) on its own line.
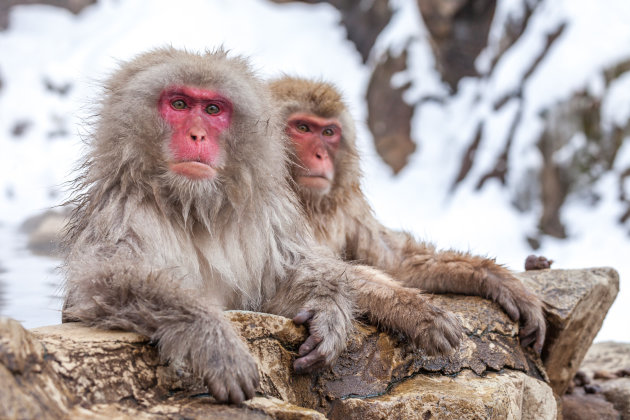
(71,370)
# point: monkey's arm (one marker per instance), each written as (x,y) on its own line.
(316,294)
(420,265)
(121,294)
(387,303)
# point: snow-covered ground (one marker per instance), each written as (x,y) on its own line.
(49,45)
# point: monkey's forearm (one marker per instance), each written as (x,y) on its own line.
(150,303)
(406,310)
(456,272)
(448,272)
(317,294)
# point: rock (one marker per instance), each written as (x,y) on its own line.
(75,6)
(389,116)
(513,395)
(587,407)
(70,370)
(459,30)
(363,23)
(45,231)
(613,358)
(576,303)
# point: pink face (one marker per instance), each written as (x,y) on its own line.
(197,118)
(316,142)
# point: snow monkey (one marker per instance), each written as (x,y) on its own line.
(327,179)
(184,209)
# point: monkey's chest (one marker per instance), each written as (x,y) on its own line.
(232,274)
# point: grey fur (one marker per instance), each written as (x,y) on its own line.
(156,253)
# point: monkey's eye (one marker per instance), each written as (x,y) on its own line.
(212,109)
(178,104)
(303,128)
(328,132)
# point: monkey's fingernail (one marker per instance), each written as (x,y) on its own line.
(302,317)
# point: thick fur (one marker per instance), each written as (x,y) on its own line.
(343,221)
(156,253)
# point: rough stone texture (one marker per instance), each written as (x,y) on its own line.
(576,303)
(607,365)
(466,396)
(70,370)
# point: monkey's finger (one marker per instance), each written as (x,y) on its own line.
(218,391)
(311,342)
(529,329)
(453,336)
(540,340)
(309,362)
(249,389)
(236,393)
(302,317)
(510,307)
(526,340)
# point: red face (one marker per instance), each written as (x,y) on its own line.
(316,142)
(197,118)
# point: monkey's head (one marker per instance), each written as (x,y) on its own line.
(188,127)
(325,163)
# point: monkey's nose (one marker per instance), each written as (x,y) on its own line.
(321,155)
(197,135)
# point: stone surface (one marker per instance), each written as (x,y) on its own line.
(587,407)
(576,303)
(610,360)
(70,370)
(466,396)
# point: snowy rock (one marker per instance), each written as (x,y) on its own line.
(389,116)
(576,303)
(459,30)
(71,370)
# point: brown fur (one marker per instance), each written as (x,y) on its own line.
(159,254)
(344,221)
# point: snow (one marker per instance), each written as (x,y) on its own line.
(47,43)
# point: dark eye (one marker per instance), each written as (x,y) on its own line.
(303,128)
(328,132)
(212,109)
(178,104)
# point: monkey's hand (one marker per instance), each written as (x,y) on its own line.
(522,306)
(326,340)
(217,355)
(435,330)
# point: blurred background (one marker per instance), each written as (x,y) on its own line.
(498,127)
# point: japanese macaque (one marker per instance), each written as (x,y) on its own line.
(184,208)
(327,179)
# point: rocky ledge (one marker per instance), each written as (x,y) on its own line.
(72,371)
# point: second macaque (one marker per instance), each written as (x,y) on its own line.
(327,178)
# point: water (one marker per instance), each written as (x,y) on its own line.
(29,284)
